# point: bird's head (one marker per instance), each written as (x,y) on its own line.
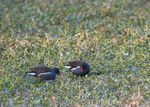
(57,71)
(85,66)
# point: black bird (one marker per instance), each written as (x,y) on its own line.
(78,68)
(44,72)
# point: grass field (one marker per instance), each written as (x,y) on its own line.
(113,36)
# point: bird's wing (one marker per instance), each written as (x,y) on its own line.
(41,68)
(78,72)
(50,76)
(74,64)
(45,73)
(76,69)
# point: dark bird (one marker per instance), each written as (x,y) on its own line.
(78,68)
(44,72)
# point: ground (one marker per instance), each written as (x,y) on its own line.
(113,36)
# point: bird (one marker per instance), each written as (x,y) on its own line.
(78,68)
(44,72)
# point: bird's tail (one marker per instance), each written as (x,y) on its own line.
(30,73)
(67,66)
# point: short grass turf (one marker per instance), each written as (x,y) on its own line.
(111,35)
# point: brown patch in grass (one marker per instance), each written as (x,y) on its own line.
(54,101)
(133,101)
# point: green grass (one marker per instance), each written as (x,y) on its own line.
(113,36)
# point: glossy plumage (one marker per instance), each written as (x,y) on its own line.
(78,68)
(44,72)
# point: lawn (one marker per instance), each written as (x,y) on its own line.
(113,36)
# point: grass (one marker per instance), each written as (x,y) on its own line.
(113,36)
